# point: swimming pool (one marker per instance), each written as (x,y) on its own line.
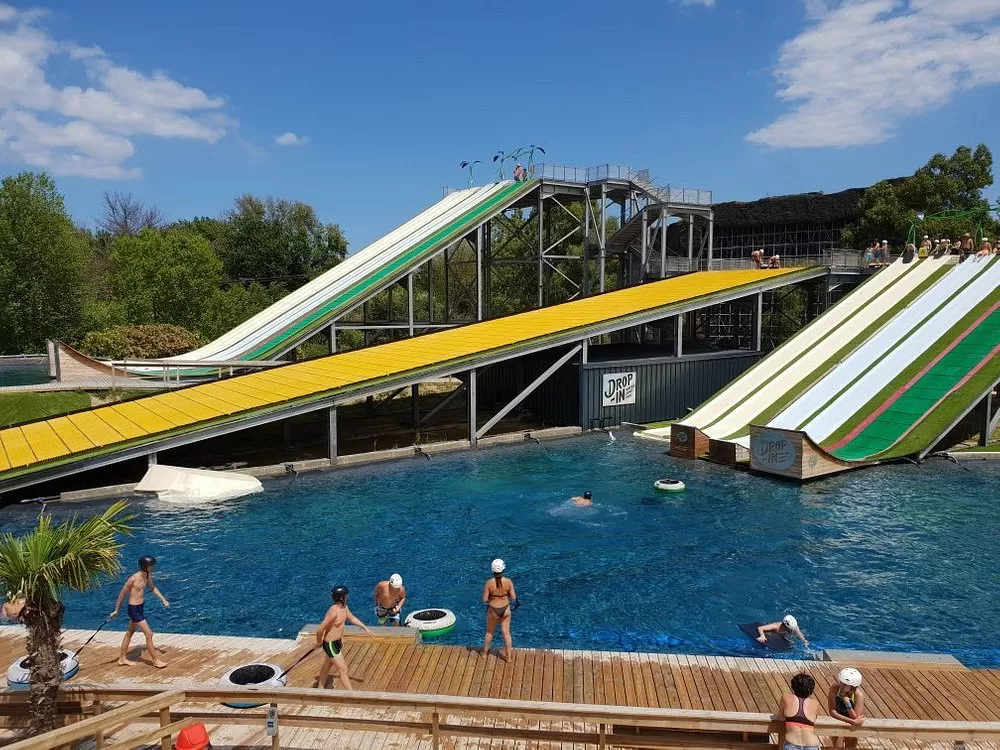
(896,557)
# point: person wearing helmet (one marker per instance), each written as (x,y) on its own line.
(500,598)
(330,635)
(135,587)
(390,596)
(583,501)
(846,702)
(787,627)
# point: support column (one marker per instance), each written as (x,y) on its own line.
(603,230)
(585,351)
(364,320)
(415,403)
(331,441)
(331,333)
(473,440)
(690,235)
(757,320)
(987,424)
(430,290)
(479,272)
(541,248)
(447,289)
(409,301)
(679,339)
(643,257)
(152,459)
(711,235)
(664,217)
(587,213)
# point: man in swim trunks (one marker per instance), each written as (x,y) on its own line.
(135,587)
(500,599)
(390,596)
(330,636)
(583,501)
(788,626)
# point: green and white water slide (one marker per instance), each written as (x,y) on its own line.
(300,314)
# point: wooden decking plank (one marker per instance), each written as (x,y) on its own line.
(425,669)
(625,685)
(604,682)
(985,684)
(440,669)
(735,695)
(666,695)
(941,706)
(896,705)
(404,668)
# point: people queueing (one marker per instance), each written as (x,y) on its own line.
(798,711)
(757,256)
(135,587)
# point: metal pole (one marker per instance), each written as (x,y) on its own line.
(663,243)
(479,272)
(447,291)
(604,228)
(332,436)
(758,316)
(586,238)
(645,240)
(473,438)
(332,333)
(679,341)
(986,423)
(409,300)
(711,235)
(585,351)
(430,290)
(151,459)
(690,236)
(541,248)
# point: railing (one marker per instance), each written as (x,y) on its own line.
(641,177)
(171,371)
(441,716)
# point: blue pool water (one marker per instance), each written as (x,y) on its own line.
(896,557)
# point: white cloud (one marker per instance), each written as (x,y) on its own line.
(87,130)
(290,139)
(861,67)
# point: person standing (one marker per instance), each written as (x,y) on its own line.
(968,246)
(846,702)
(797,711)
(135,587)
(500,600)
(390,596)
(330,635)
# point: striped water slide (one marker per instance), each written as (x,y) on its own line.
(769,392)
(305,310)
(733,394)
(940,309)
(825,391)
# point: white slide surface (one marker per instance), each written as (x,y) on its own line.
(866,355)
(983,278)
(768,392)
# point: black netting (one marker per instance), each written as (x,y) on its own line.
(252,674)
(429,614)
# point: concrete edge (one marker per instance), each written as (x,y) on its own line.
(974,455)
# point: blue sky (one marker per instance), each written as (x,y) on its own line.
(182,103)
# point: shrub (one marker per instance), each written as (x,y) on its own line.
(140,342)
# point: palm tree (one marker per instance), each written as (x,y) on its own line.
(470,165)
(39,567)
(501,157)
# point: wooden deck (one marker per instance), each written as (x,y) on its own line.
(916,691)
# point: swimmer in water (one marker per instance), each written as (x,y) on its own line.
(787,627)
(584,501)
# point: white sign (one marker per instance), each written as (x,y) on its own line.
(618,388)
(271,722)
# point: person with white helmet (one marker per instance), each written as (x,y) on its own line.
(787,627)
(390,596)
(500,600)
(846,702)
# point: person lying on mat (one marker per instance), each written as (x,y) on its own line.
(787,626)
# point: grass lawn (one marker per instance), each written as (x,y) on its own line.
(657,425)
(16,408)
(994,448)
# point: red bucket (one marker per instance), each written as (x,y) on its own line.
(194,737)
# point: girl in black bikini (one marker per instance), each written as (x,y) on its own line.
(499,596)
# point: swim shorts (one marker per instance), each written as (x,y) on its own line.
(384,615)
(333,648)
(135,612)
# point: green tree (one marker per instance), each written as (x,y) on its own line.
(44,265)
(231,306)
(39,567)
(273,240)
(165,277)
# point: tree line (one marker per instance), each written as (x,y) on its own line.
(139,285)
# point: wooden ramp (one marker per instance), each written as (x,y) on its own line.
(401,664)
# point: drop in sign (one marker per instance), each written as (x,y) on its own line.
(618,389)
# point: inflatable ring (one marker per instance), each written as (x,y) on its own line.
(253,675)
(669,485)
(431,622)
(19,674)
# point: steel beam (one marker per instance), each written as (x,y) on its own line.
(604,229)
(442,404)
(473,436)
(989,422)
(331,332)
(645,246)
(711,235)
(479,272)
(409,301)
(529,390)
(664,218)
(541,249)
(331,440)
(690,236)
(679,341)
(758,320)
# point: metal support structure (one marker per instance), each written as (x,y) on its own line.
(409,301)
(430,290)
(690,236)
(332,436)
(664,218)
(331,332)
(529,390)
(679,340)
(758,316)
(587,218)
(479,272)
(585,351)
(644,256)
(152,459)
(711,234)
(604,230)
(541,249)
(447,287)
(989,422)
(442,404)
(473,436)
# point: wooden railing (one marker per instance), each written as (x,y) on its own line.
(441,716)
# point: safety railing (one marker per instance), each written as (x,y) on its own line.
(167,372)
(172,708)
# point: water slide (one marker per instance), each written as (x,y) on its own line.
(767,388)
(271,332)
(822,409)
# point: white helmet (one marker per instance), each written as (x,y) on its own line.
(790,622)
(850,677)
(396,581)
(498,566)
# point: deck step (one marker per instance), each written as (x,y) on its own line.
(893,659)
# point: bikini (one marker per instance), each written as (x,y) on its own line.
(800,719)
(500,611)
